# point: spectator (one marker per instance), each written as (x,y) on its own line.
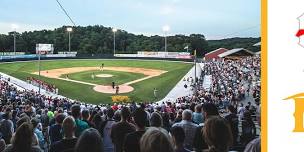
(156,120)
(117,116)
(7,127)
(255,144)
(197,115)
(156,140)
(67,144)
(233,121)
(178,136)
(55,130)
(106,127)
(14,118)
(45,120)
(188,127)
(121,129)
(80,125)
(131,142)
(22,141)
(22,120)
(178,116)
(1,109)
(89,141)
(50,114)
(217,134)
(209,110)
(2,145)
(37,131)
(166,121)
(97,122)
(248,129)
(85,117)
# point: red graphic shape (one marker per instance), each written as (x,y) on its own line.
(300,33)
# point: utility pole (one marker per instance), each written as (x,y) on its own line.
(15,42)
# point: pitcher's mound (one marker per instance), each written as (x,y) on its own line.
(110,90)
(104,75)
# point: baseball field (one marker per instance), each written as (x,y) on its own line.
(88,81)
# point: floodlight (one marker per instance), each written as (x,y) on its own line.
(166,28)
(15,27)
(69,29)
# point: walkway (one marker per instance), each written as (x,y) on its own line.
(179,90)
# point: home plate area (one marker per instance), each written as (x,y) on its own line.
(110,90)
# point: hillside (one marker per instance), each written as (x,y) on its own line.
(99,40)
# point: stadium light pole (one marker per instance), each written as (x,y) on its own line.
(39,69)
(14,26)
(69,29)
(166,29)
(114,31)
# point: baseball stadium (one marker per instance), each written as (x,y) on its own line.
(85,76)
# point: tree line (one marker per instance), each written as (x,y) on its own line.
(99,40)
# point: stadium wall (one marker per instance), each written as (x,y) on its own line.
(79,56)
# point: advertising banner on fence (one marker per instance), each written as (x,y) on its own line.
(32,56)
(11,53)
(18,57)
(146,54)
(59,55)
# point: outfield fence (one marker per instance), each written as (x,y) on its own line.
(29,57)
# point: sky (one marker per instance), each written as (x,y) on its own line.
(216,19)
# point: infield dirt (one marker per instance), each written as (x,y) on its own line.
(124,88)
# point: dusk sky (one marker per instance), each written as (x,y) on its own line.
(216,19)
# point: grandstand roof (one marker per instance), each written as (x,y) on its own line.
(237,52)
(257,53)
(217,50)
(257,44)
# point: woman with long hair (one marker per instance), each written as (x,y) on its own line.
(22,141)
(89,141)
(218,134)
(156,140)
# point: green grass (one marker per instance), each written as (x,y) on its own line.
(143,90)
(118,77)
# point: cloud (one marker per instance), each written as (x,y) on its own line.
(167,10)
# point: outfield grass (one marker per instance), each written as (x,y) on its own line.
(143,90)
(118,77)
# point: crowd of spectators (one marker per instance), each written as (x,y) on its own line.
(214,120)
(44,85)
